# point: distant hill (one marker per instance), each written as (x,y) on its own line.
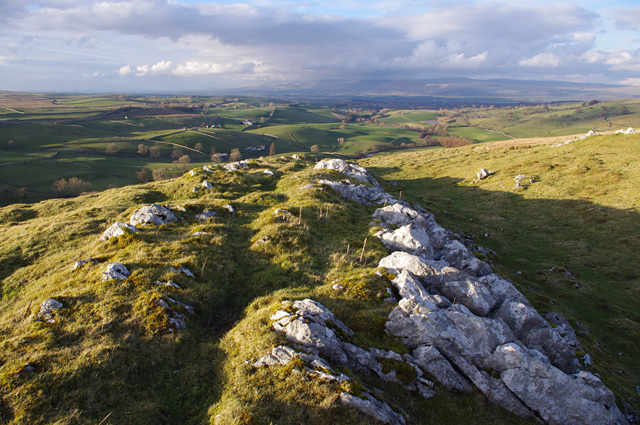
(467,88)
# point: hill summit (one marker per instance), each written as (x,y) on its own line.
(276,290)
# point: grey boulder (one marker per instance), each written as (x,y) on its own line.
(152,214)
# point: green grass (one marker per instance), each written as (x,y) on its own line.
(109,353)
(478,135)
(581,214)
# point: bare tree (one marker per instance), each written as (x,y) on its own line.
(235,155)
(74,186)
(315,148)
(155,152)
(112,149)
(143,149)
(272,149)
(159,174)
(199,147)
(177,153)
(143,175)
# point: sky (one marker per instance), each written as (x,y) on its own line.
(201,45)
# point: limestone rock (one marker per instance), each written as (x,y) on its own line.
(47,308)
(563,328)
(116,230)
(343,167)
(206,215)
(469,292)
(182,270)
(152,214)
(418,266)
(81,263)
(482,174)
(432,362)
(235,166)
(268,172)
(557,397)
(206,184)
(230,208)
(373,407)
(115,271)
(458,256)
(408,238)
(362,194)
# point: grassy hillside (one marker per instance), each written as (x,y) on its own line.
(112,356)
(567,239)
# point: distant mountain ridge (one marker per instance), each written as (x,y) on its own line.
(518,90)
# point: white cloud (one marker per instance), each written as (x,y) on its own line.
(542,60)
(261,41)
(125,70)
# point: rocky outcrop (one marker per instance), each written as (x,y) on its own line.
(369,193)
(461,321)
(47,310)
(466,326)
(313,328)
(206,215)
(116,230)
(152,214)
(115,271)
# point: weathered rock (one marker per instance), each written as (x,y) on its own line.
(235,166)
(47,309)
(563,328)
(182,270)
(169,284)
(343,167)
(280,355)
(152,214)
(81,263)
(408,238)
(418,266)
(557,397)
(115,271)
(482,174)
(432,362)
(362,194)
(206,184)
(206,215)
(116,230)
(370,406)
(458,256)
(268,172)
(502,290)
(467,291)
(230,208)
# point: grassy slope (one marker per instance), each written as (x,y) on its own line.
(580,215)
(109,352)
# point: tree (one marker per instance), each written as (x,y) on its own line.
(159,174)
(177,153)
(235,155)
(199,147)
(315,148)
(74,186)
(272,149)
(155,152)
(143,149)
(184,159)
(143,175)
(213,150)
(112,149)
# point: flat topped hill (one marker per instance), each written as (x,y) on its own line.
(167,346)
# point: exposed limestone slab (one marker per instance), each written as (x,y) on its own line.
(152,214)
(408,238)
(432,362)
(361,194)
(557,397)
(115,271)
(116,230)
(370,406)
(343,167)
(47,309)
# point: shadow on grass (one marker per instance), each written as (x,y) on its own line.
(566,255)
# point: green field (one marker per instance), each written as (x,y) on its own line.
(36,126)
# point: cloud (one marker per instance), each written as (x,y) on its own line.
(628,19)
(166,38)
(542,60)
